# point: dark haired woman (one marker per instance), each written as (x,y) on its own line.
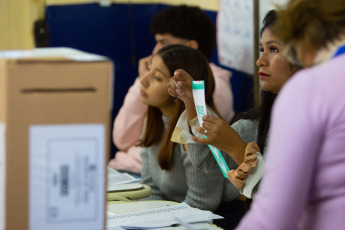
(244,142)
(166,167)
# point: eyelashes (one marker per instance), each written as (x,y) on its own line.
(272,49)
(157,78)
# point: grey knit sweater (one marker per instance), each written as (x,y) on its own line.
(183,182)
(202,158)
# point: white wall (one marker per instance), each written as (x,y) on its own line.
(266,5)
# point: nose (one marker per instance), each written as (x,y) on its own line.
(144,80)
(262,60)
(156,48)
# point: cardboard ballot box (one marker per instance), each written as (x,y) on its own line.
(54,125)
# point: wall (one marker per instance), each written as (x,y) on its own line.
(17,17)
(204,4)
(16,20)
(266,5)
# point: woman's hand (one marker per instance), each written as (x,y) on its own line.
(220,135)
(144,64)
(184,82)
(183,91)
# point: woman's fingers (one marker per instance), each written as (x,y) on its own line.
(199,140)
(181,75)
(201,130)
(211,119)
(172,90)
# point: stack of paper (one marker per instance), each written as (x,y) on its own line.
(115,177)
(160,217)
(115,228)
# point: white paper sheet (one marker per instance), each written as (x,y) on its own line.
(65,52)
(235,26)
(160,217)
(115,228)
(2,175)
(116,177)
(124,187)
(66,176)
(109,214)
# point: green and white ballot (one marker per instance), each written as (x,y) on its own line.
(200,106)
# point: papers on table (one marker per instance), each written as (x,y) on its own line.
(115,228)
(115,178)
(124,187)
(160,217)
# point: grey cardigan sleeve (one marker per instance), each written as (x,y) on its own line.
(201,157)
(146,177)
(204,191)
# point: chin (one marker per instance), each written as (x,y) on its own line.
(265,88)
(143,100)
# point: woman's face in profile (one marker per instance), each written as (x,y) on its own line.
(274,68)
(154,89)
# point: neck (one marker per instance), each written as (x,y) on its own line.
(168,110)
(330,49)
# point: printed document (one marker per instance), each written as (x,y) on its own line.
(160,217)
(66,175)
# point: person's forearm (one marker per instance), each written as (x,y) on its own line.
(237,152)
(190,108)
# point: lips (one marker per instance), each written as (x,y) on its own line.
(143,94)
(263,75)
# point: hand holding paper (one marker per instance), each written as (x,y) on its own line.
(222,136)
(180,86)
(184,81)
(200,107)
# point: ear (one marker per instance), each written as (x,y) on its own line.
(194,44)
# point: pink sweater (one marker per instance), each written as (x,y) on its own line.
(129,121)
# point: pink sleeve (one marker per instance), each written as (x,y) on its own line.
(129,121)
(290,159)
(222,95)
(127,161)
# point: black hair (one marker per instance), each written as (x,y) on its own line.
(262,113)
(187,22)
(269,21)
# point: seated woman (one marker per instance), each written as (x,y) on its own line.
(166,167)
(245,139)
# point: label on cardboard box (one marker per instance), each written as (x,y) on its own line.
(67,176)
(2,175)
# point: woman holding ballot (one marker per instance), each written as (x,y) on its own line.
(166,168)
(244,142)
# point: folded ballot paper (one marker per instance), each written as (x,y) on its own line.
(160,217)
